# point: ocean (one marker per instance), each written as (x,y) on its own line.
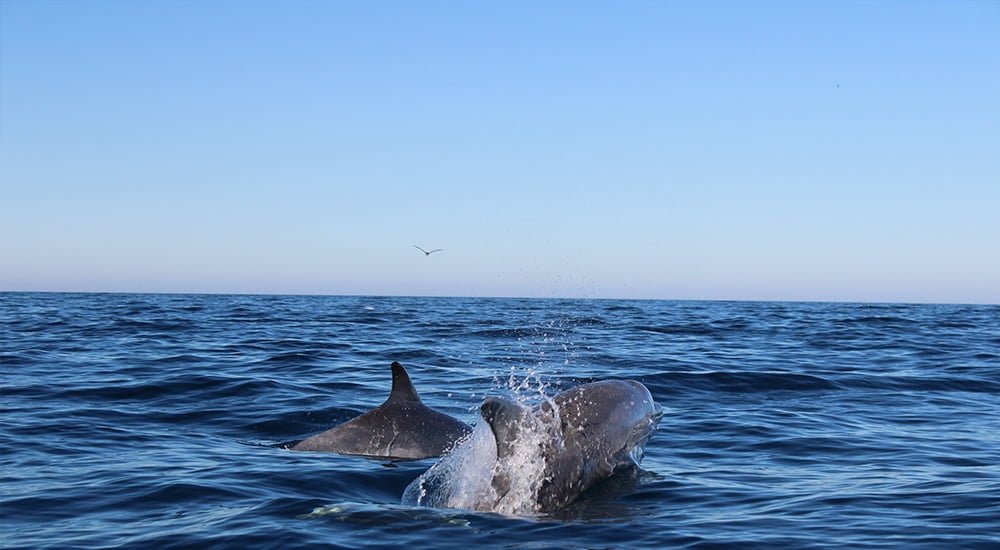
(164,421)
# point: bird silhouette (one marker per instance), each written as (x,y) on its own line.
(426,252)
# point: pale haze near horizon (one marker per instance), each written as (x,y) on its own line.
(845,151)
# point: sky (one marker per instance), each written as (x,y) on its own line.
(832,151)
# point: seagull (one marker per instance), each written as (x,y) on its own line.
(426,252)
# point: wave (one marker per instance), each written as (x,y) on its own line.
(736,382)
(686,330)
(921,383)
(758,382)
(517,332)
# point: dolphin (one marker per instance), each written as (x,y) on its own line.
(539,459)
(402,428)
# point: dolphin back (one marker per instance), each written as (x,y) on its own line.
(402,427)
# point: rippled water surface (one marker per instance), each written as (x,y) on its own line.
(163,420)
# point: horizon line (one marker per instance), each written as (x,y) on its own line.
(497,297)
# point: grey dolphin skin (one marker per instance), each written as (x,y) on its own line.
(589,432)
(402,427)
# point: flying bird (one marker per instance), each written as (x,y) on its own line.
(426,252)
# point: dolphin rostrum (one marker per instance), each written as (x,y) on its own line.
(538,459)
(402,427)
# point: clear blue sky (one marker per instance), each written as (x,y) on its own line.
(703,150)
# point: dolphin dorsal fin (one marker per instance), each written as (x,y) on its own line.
(402,388)
(507,419)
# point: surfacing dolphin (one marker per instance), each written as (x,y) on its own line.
(402,427)
(530,460)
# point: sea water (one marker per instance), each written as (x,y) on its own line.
(136,421)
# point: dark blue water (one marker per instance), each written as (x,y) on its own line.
(161,420)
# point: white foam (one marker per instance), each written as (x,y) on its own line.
(465,477)
(471,477)
(523,471)
(461,478)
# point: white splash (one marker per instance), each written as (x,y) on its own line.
(471,477)
(461,478)
(518,477)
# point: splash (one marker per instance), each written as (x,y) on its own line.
(525,385)
(471,477)
(461,479)
(519,476)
